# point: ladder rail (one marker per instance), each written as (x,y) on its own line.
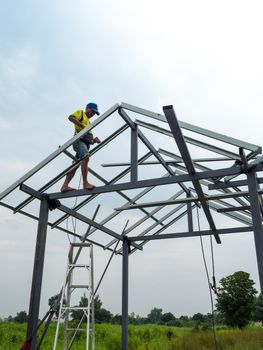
(65,302)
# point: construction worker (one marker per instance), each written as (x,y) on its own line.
(81,119)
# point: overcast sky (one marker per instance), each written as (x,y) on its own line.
(204,57)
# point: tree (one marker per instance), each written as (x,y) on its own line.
(21,317)
(101,315)
(53,303)
(235,299)
(167,317)
(257,314)
(135,319)
(77,314)
(198,317)
(10,319)
(154,315)
(116,319)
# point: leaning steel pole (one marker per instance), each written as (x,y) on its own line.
(125,278)
(37,274)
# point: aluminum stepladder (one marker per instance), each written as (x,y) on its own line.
(70,287)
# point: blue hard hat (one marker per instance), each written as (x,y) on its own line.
(94,107)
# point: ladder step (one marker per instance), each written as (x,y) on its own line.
(79,265)
(79,286)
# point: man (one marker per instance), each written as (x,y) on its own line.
(81,119)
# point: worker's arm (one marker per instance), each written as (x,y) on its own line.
(75,120)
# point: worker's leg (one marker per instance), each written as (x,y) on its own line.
(82,150)
(84,171)
(65,187)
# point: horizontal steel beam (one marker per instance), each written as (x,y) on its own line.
(239,183)
(226,210)
(137,224)
(151,182)
(168,224)
(75,214)
(191,234)
(188,200)
(158,203)
(169,162)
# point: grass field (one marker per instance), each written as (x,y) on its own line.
(145,337)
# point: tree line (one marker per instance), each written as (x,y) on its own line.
(237,304)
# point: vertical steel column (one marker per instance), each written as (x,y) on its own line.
(37,273)
(125,278)
(190,215)
(257,223)
(134,153)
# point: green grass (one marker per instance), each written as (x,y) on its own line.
(145,337)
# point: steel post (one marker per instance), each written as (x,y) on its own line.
(125,278)
(190,215)
(37,273)
(134,154)
(257,222)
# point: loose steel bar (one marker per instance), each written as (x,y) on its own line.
(179,138)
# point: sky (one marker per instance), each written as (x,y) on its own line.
(203,57)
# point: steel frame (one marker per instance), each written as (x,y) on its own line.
(187,182)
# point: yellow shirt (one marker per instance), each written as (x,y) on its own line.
(81,115)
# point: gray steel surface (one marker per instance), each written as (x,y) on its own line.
(179,138)
(34,305)
(211,186)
